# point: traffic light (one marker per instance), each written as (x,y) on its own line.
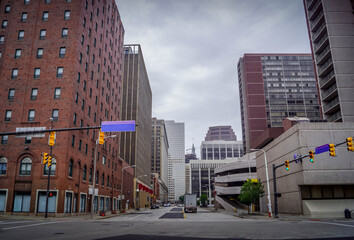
(50,194)
(350,144)
(101,138)
(51,139)
(49,161)
(45,158)
(332,151)
(312,159)
(287,165)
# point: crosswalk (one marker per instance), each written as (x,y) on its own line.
(11,224)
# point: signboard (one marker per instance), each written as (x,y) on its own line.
(118,126)
(322,149)
(90,191)
(30,129)
(120,197)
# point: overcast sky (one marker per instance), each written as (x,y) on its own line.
(191,49)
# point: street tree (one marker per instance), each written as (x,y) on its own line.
(250,193)
(203,199)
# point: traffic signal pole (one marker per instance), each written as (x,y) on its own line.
(46,200)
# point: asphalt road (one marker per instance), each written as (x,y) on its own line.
(148,225)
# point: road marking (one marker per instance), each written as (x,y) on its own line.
(30,225)
(338,224)
(3,223)
(133,217)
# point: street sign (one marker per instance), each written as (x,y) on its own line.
(322,149)
(29,129)
(118,126)
(90,191)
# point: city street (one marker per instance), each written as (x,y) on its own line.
(148,224)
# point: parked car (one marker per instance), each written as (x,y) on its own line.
(154,206)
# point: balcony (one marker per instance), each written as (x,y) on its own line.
(317,21)
(325,55)
(321,44)
(337,117)
(310,4)
(330,93)
(328,80)
(331,107)
(325,68)
(314,10)
(321,31)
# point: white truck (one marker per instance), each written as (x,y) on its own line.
(190,203)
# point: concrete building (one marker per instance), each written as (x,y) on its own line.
(220,149)
(273,87)
(220,133)
(176,161)
(324,188)
(331,31)
(60,65)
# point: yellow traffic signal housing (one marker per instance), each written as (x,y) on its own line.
(101,138)
(287,165)
(332,151)
(51,141)
(45,158)
(49,161)
(312,159)
(350,144)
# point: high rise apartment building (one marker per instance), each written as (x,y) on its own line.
(331,30)
(273,87)
(61,67)
(176,161)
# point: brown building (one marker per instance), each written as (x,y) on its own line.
(61,67)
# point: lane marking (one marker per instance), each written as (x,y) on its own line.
(30,225)
(3,223)
(338,224)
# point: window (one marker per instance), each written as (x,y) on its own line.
(26,2)
(4,139)
(34,93)
(84,23)
(82,39)
(7,8)
(14,73)
(71,164)
(108,181)
(82,202)
(76,97)
(90,175)
(52,168)
(75,118)
(4,24)
(73,141)
(80,58)
(102,179)
(31,114)
(97,177)
(68,202)
(80,144)
(47,1)
(28,140)
(39,52)
(45,16)
(78,77)
(11,93)
(21,34)
(67,15)
(17,53)
(3,165)
(2,39)
(8,114)
(85,4)
(83,104)
(64,32)
(37,73)
(55,114)
(68,1)
(42,34)
(84,85)
(62,52)
(84,173)
(104,160)
(60,71)
(57,93)
(24,17)
(25,166)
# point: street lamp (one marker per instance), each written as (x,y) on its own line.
(121,187)
(137,191)
(267,178)
(94,173)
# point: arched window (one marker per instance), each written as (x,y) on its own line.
(90,175)
(102,180)
(71,164)
(52,168)
(108,181)
(3,165)
(25,167)
(84,173)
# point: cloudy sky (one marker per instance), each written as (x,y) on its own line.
(191,49)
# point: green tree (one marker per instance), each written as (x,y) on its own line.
(251,192)
(181,199)
(203,199)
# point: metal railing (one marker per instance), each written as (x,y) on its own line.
(314,9)
(324,52)
(319,43)
(317,19)
(331,104)
(334,116)
(329,91)
(327,78)
(324,66)
(319,31)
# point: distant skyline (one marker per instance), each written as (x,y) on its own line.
(191,49)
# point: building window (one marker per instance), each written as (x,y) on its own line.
(76,97)
(71,164)
(97,177)
(55,114)
(31,114)
(4,24)
(34,93)
(39,52)
(75,118)
(25,166)
(73,141)
(104,160)
(8,115)
(62,52)
(17,53)
(64,33)
(102,179)
(14,73)
(24,17)
(60,71)
(4,139)
(3,165)
(52,168)
(11,94)
(67,15)
(108,181)
(7,8)
(85,4)
(82,202)
(78,77)
(80,143)
(21,34)
(82,39)
(2,39)
(84,173)
(42,34)
(84,85)
(57,93)
(84,23)
(45,16)
(28,140)
(47,1)
(83,104)
(90,175)
(26,2)
(37,73)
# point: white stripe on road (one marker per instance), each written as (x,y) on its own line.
(30,225)
(338,224)
(2,223)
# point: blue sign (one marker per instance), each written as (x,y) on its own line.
(322,149)
(118,126)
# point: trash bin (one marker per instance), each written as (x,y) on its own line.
(347,213)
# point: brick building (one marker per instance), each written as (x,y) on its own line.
(61,66)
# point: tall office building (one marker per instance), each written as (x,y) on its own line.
(220,133)
(331,30)
(60,67)
(273,87)
(176,164)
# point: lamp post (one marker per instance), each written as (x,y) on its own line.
(94,173)
(137,192)
(121,187)
(267,178)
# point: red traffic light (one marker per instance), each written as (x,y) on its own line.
(50,194)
